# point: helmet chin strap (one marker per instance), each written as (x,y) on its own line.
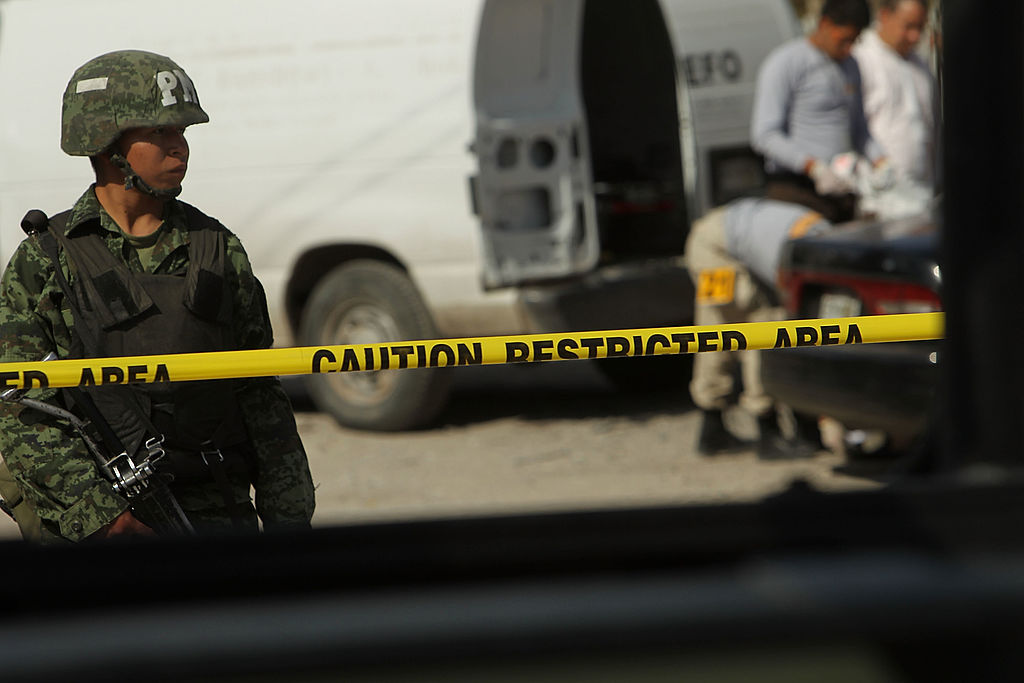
(132,180)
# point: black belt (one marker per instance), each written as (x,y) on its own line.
(790,178)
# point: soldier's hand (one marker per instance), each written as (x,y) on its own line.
(125,524)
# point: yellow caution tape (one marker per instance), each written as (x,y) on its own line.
(525,348)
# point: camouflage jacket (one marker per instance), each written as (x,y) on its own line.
(51,464)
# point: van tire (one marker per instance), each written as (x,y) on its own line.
(364,302)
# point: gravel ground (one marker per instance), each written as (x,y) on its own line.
(543,437)
(537,437)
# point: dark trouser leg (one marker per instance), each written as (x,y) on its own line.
(835,208)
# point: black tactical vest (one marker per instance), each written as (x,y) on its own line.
(121,313)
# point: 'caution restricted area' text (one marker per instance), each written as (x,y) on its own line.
(439,353)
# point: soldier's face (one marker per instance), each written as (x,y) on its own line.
(158,155)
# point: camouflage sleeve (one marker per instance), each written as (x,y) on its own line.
(49,462)
(284,487)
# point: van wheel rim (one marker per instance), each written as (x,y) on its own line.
(363,324)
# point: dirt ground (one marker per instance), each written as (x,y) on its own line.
(546,437)
(542,437)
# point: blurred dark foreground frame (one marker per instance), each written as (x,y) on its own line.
(919,581)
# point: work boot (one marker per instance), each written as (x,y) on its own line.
(772,444)
(715,438)
(807,428)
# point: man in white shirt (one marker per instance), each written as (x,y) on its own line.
(899,89)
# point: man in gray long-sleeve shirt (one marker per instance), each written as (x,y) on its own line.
(808,109)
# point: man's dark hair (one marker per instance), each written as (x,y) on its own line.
(891,5)
(847,13)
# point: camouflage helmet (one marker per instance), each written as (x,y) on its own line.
(120,90)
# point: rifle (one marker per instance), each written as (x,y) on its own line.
(148,495)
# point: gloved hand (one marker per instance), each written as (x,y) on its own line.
(827,181)
(882,176)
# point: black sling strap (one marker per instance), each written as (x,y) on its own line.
(48,243)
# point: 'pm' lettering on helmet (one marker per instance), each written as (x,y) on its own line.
(167,81)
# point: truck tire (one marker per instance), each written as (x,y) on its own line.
(365,302)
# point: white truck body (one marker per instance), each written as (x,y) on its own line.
(346,130)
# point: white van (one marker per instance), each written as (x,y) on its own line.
(404,169)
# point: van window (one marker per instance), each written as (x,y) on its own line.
(524,71)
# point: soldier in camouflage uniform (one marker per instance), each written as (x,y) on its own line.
(169,279)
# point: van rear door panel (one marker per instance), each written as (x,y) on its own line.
(534,188)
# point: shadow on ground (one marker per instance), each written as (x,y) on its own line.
(543,391)
(571,390)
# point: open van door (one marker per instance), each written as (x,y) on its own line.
(720,45)
(534,192)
